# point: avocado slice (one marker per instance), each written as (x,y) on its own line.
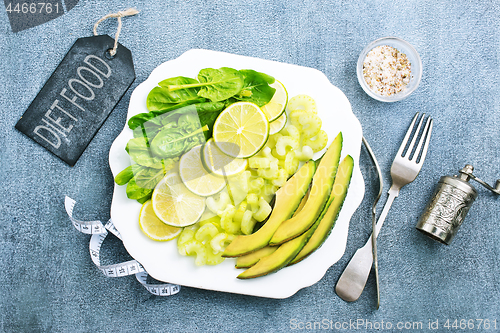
(281,257)
(288,198)
(320,190)
(337,197)
(278,259)
(300,247)
(248,260)
(302,202)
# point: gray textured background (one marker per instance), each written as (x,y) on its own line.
(48,282)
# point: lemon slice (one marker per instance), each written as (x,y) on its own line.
(278,124)
(241,130)
(215,161)
(153,227)
(277,104)
(196,177)
(174,204)
(302,103)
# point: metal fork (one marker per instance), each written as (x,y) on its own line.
(404,170)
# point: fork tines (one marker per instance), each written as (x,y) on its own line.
(417,154)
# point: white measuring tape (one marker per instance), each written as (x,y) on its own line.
(99,233)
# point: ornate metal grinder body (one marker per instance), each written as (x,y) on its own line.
(449,205)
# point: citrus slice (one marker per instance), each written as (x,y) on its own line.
(153,227)
(241,130)
(302,103)
(215,161)
(277,104)
(174,204)
(196,177)
(278,124)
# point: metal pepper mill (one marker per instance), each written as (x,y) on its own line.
(449,205)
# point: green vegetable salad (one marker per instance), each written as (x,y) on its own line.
(182,112)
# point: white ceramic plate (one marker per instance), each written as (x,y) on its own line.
(161,259)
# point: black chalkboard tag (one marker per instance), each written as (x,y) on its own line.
(78,97)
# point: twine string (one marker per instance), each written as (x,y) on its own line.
(119,15)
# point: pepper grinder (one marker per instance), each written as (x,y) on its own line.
(449,205)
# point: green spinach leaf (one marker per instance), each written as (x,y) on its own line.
(188,122)
(160,98)
(208,113)
(145,198)
(140,119)
(126,174)
(144,117)
(256,87)
(179,106)
(134,191)
(140,153)
(173,142)
(215,84)
(221,83)
(148,177)
(151,128)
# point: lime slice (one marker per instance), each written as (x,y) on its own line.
(196,177)
(153,227)
(174,204)
(302,103)
(219,163)
(241,130)
(277,104)
(278,124)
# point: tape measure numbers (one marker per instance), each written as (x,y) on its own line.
(99,233)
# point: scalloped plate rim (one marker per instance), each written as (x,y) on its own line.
(276,285)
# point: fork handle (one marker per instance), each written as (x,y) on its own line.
(353,280)
(393,193)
